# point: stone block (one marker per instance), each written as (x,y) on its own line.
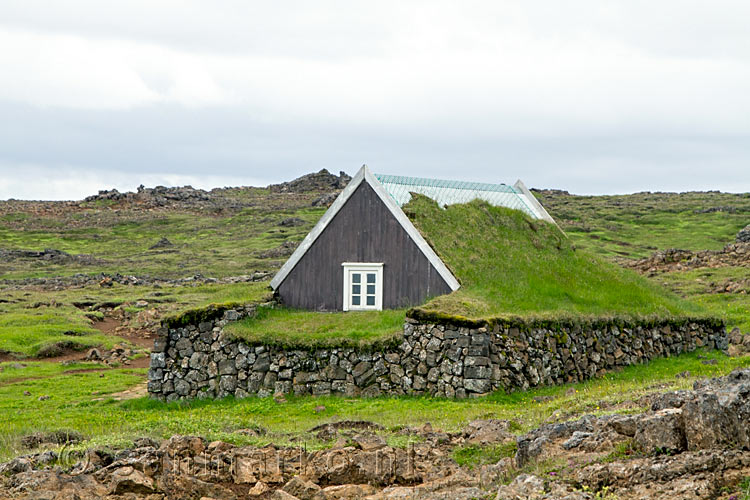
(262,364)
(226,367)
(160,344)
(158,360)
(472,372)
(477,385)
(360,368)
(228,384)
(477,361)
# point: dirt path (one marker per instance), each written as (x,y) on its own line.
(137,391)
(109,326)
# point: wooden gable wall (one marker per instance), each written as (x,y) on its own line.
(364,230)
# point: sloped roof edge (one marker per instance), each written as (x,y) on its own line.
(533,202)
(365,175)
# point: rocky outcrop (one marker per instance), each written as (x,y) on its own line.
(739,343)
(744,235)
(201,361)
(690,444)
(715,415)
(317,181)
(284,250)
(159,195)
(673,259)
(189,467)
(162,243)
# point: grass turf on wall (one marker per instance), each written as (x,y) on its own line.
(510,264)
(310,329)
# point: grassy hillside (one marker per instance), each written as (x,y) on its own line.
(229,242)
(509,264)
(225,232)
(626,227)
(635,225)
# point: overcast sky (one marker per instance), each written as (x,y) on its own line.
(589,96)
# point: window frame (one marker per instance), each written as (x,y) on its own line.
(363,268)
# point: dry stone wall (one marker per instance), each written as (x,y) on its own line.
(201,361)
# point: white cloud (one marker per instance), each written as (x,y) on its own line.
(437,73)
(70,71)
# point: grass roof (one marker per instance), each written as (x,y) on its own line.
(509,264)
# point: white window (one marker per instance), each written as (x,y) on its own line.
(363,286)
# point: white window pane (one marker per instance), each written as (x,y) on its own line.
(371,289)
(355,300)
(371,277)
(356,278)
(370,300)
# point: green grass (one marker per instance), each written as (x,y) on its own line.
(79,402)
(744,488)
(696,285)
(509,264)
(475,455)
(33,321)
(635,225)
(624,451)
(31,333)
(293,328)
(14,371)
(227,243)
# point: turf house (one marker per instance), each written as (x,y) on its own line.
(365,254)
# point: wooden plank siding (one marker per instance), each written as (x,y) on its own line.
(364,230)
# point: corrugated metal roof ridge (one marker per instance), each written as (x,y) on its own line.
(390,181)
(424,181)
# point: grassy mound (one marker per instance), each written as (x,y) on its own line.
(46,331)
(510,264)
(33,325)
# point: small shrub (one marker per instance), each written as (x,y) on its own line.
(624,451)
(474,455)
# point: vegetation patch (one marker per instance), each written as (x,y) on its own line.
(510,264)
(226,243)
(623,451)
(43,324)
(699,286)
(295,329)
(635,225)
(47,331)
(212,301)
(475,456)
